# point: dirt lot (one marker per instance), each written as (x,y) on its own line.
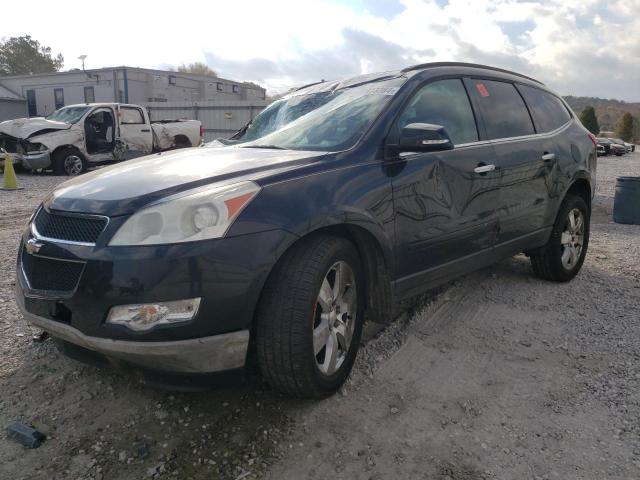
(497,375)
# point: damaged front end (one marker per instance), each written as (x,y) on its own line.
(29,155)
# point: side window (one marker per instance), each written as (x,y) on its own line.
(548,110)
(129,115)
(443,102)
(503,110)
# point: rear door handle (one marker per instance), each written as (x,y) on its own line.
(484,168)
(145,130)
(549,157)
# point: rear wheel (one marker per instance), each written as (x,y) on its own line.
(309,320)
(69,161)
(561,259)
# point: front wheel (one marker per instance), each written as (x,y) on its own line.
(70,162)
(309,320)
(562,257)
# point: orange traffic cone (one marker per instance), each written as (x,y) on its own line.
(10,180)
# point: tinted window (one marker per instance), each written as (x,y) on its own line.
(445,103)
(504,112)
(547,110)
(130,115)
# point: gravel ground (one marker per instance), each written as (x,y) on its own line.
(497,375)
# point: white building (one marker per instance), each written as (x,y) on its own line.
(41,94)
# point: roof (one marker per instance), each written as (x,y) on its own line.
(138,69)
(6,94)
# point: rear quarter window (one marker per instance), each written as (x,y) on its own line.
(503,109)
(547,110)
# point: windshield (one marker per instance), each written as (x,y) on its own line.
(283,111)
(68,114)
(340,121)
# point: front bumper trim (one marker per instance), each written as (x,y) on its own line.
(195,356)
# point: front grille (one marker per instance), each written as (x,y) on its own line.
(69,227)
(51,275)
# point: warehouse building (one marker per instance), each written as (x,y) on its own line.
(41,94)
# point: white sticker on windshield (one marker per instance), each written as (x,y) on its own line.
(384,90)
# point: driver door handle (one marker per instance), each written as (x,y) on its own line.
(548,157)
(484,168)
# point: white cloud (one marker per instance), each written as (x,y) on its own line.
(582,47)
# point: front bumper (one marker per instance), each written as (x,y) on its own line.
(196,356)
(31,161)
(227,274)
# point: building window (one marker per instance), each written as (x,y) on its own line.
(31,103)
(89,95)
(219,86)
(235,89)
(172,79)
(58,96)
(120,96)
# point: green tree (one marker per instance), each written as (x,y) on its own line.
(636,129)
(25,56)
(589,119)
(624,128)
(197,68)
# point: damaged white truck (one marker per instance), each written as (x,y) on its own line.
(77,136)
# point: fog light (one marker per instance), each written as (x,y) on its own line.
(148,315)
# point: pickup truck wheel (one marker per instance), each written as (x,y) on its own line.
(309,319)
(70,162)
(561,259)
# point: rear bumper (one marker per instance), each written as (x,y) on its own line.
(195,356)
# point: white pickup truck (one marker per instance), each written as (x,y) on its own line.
(73,137)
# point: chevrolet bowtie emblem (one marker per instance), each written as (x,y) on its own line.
(33,245)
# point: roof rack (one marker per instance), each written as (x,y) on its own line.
(464,64)
(309,85)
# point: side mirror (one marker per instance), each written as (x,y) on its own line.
(424,137)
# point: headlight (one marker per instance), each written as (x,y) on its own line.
(34,147)
(198,214)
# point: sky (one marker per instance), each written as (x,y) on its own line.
(577,47)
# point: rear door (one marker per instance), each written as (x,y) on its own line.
(445,210)
(135,131)
(551,119)
(525,160)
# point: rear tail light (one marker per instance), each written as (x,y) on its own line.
(201,131)
(593,139)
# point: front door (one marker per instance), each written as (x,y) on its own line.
(445,202)
(135,133)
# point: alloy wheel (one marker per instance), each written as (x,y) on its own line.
(73,165)
(334,318)
(572,239)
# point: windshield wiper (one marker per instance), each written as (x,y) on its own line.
(271,147)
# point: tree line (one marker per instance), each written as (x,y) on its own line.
(627,128)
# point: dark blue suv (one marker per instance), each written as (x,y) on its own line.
(188,262)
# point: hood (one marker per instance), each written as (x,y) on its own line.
(124,188)
(28,127)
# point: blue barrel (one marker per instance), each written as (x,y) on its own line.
(626,204)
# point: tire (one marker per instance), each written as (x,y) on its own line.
(557,261)
(69,161)
(293,310)
(180,142)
